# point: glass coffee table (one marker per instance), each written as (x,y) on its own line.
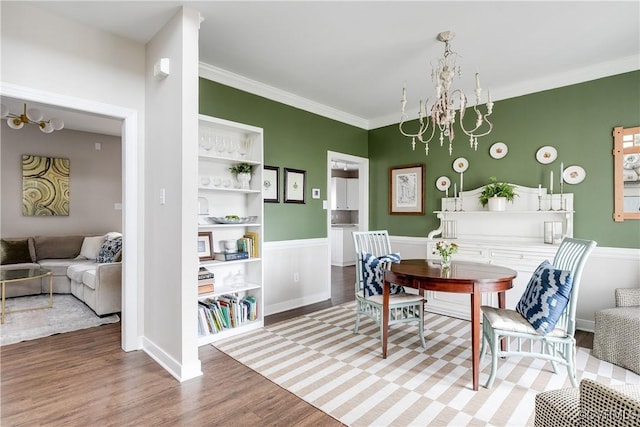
(8,277)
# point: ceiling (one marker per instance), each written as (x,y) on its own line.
(352,58)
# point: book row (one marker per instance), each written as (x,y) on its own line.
(225,312)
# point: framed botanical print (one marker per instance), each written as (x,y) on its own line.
(270,184)
(406,190)
(294,185)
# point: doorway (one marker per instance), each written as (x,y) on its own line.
(343,220)
(131,231)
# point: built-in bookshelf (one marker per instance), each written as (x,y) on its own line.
(234,215)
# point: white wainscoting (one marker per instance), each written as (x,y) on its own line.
(606,269)
(284,261)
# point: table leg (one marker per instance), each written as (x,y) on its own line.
(502,302)
(386,287)
(476,296)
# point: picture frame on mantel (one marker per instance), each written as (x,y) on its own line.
(205,245)
(294,185)
(271,184)
(406,190)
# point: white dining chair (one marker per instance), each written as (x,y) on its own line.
(403,307)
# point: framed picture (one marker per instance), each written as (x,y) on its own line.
(270,184)
(406,190)
(294,183)
(205,245)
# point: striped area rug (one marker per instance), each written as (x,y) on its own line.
(318,358)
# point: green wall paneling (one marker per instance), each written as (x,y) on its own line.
(577,120)
(293,138)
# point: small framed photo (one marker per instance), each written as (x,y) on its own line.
(406,190)
(270,184)
(294,185)
(205,245)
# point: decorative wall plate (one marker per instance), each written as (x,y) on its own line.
(546,154)
(460,164)
(443,183)
(574,175)
(498,150)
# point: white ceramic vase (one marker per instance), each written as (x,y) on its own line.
(244,180)
(497,203)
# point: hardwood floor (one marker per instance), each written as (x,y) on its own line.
(83,378)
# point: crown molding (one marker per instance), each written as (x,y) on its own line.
(237,81)
(566,78)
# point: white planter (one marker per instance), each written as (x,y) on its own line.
(497,203)
(243,180)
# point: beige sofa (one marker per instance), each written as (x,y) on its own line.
(593,405)
(72,259)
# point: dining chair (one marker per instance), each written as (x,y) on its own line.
(373,256)
(551,295)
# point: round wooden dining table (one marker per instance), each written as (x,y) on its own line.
(461,277)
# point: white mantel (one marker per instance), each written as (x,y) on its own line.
(520,223)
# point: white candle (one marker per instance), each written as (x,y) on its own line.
(561,171)
(455,190)
(551,181)
(539,190)
(461,181)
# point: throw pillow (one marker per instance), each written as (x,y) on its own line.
(91,247)
(373,274)
(110,251)
(546,297)
(14,252)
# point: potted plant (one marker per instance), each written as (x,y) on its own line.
(242,172)
(496,194)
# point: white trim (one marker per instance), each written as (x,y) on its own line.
(295,303)
(176,369)
(237,81)
(298,243)
(130,309)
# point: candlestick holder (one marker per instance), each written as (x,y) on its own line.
(446,204)
(540,202)
(460,196)
(550,200)
(561,208)
(455,204)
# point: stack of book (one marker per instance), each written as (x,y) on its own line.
(206,281)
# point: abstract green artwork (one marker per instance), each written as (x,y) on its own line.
(45,186)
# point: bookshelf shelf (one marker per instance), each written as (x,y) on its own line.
(222,144)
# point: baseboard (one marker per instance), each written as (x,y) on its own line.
(295,303)
(177,370)
(585,325)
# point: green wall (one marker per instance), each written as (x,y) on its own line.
(577,120)
(295,139)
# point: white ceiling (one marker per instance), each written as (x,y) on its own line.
(354,57)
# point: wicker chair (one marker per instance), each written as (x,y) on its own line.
(500,325)
(403,307)
(592,404)
(617,333)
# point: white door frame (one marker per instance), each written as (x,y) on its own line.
(363,196)
(130,279)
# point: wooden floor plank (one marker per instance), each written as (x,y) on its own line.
(83,378)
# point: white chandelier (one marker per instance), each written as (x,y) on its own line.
(442,114)
(31,116)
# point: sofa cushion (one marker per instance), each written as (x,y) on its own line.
(91,246)
(58,247)
(59,267)
(15,251)
(75,271)
(110,251)
(89,278)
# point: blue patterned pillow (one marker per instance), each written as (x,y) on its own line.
(110,251)
(546,297)
(373,274)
